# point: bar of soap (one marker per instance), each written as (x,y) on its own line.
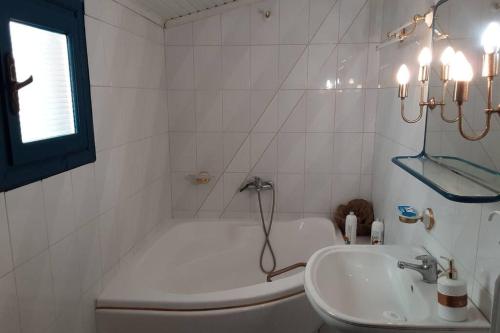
(407,211)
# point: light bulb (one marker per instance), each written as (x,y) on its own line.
(491,38)
(461,69)
(447,56)
(403,75)
(425,57)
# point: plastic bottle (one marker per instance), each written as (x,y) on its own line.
(351,226)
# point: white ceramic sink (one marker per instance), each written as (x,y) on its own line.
(358,288)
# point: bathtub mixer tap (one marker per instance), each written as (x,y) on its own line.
(257,184)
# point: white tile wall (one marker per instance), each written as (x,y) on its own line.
(462,230)
(61,236)
(278,97)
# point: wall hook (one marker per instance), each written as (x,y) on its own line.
(266,13)
(492,214)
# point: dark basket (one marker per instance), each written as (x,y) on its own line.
(364,212)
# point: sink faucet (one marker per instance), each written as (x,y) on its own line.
(257,184)
(428,268)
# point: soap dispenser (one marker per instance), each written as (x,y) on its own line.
(452,295)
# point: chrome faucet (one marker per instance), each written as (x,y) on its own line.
(428,268)
(257,184)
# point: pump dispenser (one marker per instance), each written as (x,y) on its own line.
(452,295)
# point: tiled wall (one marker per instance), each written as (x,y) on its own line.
(462,230)
(290,98)
(61,238)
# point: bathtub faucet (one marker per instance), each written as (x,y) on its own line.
(257,184)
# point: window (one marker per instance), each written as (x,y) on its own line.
(46,117)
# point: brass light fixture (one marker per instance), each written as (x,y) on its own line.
(403,77)
(454,66)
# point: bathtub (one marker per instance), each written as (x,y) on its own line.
(204,276)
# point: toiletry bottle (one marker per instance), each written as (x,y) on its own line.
(351,226)
(452,295)
(377,234)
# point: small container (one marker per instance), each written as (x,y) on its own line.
(452,295)
(377,234)
(351,226)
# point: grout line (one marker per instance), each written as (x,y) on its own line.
(123,29)
(13,269)
(293,109)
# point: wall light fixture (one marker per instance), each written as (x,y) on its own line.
(456,67)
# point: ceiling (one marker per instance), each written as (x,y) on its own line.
(172,9)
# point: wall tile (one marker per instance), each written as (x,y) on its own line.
(207,65)
(353,60)
(293,66)
(208,110)
(294,21)
(322,67)
(320,111)
(84,193)
(265,30)
(181,106)
(269,123)
(5,246)
(210,152)
(236,110)
(290,193)
(180,35)
(9,312)
(59,206)
(89,253)
(236,67)
(319,153)
(291,152)
(347,152)
(236,26)
(344,189)
(180,67)
(183,150)
(317,193)
(28,228)
(350,107)
(66,282)
(207,31)
(264,67)
(35,294)
(324,18)
(358,30)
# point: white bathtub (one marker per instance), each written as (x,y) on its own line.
(204,276)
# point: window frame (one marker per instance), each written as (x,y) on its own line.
(24,163)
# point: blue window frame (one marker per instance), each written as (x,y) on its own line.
(23,162)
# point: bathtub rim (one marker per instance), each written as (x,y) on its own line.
(151,300)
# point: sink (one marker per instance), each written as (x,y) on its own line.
(360,288)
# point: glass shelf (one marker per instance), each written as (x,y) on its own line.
(456,179)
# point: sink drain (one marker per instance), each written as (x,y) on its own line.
(394,316)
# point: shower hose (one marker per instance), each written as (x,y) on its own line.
(267,232)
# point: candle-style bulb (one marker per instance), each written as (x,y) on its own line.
(461,69)
(447,56)
(491,38)
(403,75)
(425,57)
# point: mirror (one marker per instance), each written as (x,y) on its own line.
(460,169)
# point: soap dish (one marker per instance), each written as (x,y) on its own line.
(427,218)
